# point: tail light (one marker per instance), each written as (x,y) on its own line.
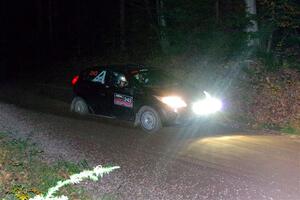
(75,79)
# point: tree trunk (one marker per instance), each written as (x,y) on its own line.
(217,7)
(3,42)
(270,41)
(164,42)
(39,17)
(122,26)
(40,35)
(3,14)
(251,9)
(153,17)
(50,23)
(79,24)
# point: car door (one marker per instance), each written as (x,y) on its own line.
(122,98)
(99,92)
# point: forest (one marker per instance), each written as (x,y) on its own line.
(247,51)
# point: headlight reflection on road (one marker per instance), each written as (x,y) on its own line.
(215,144)
(221,138)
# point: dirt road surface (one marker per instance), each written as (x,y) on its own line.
(192,162)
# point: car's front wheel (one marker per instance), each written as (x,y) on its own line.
(149,119)
(79,106)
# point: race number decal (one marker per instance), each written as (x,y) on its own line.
(123,100)
(100,78)
(93,73)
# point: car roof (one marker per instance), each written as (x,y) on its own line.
(126,68)
(120,67)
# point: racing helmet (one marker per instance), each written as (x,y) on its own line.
(121,80)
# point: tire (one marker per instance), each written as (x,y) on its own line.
(149,119)
(79,106)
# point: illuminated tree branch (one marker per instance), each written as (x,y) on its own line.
(75,179)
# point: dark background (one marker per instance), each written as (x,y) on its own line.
(36,34)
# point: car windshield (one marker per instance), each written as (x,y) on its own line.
(154,78)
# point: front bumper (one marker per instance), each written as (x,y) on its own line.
(182,117)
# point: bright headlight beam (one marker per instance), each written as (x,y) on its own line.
(174,102)
(207,106)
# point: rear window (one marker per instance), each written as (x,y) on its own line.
(95,75)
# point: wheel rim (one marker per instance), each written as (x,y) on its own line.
(79,107)
(148,120)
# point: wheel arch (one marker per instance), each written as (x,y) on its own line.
(138,113)
(76,97)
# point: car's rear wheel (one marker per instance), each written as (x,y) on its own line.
(149,119)
(79,106)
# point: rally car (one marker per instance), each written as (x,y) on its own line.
(149,97)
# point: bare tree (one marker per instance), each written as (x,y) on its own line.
(253,27)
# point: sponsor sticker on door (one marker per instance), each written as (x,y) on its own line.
(123,100)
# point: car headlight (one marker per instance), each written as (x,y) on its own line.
(207,106)
(174,102)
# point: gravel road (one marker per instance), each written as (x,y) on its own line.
(198,162)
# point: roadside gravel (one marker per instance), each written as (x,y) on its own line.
(152,166)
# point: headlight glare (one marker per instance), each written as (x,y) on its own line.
(174,102)
(207,106)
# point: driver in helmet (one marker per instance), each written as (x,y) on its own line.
(122,82)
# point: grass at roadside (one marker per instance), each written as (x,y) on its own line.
(23,173)
(291,130)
